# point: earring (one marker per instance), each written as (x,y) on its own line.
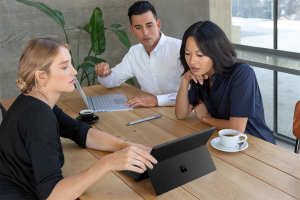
(44,85)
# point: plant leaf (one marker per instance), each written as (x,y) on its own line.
(130,81)
(89,63)
(121,34)
(54,14)
(114,26)
(86,28)
(97,28)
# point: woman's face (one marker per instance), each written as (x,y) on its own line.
(199,63)
(61,78)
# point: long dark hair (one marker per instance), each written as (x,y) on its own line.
(212,42)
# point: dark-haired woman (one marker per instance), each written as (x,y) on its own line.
(230,97)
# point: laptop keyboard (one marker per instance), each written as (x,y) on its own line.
(101,102)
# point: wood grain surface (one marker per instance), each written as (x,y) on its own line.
(262,171)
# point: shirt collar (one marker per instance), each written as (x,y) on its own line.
(218,76)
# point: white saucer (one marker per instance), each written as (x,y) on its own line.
(216,143)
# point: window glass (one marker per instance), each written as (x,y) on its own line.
(289,25)
(265,82)
(252,22)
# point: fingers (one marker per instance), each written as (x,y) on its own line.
(143,156)
(200,79)
(146,101)
(195,78)
(135,101)
(102,69)
(137,159)
(136,169)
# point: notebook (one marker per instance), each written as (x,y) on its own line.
(179,162)
(103,103)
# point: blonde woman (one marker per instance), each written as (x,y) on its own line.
(31,153)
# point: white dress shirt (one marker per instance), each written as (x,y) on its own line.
(158,74)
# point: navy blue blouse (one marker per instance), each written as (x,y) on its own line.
(236,95)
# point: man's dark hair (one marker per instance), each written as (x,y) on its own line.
(141,7)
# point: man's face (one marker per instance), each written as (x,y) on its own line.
(146,29)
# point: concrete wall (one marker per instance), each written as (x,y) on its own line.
(177,15)
(220,13)
(19,23)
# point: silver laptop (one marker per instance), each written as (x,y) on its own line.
(103,103)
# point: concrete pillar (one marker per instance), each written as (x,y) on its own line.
(220,13)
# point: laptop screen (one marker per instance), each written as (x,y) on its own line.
(81,92)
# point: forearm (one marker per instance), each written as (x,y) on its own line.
(73,186)
(102,141)
(182,106)
(218,123)
(109,81)
(238,124)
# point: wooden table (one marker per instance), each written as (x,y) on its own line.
(262,171)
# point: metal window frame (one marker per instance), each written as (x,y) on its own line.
(275,69)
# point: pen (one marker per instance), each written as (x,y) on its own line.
(142,120)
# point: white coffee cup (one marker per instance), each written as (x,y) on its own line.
(230,138)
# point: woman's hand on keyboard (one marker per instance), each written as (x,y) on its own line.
(125,159)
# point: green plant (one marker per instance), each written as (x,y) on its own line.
(95,28)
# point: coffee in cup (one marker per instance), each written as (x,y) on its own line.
(86,115)
(230,138)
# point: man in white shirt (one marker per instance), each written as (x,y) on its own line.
(154,61)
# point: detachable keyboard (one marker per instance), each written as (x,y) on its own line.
(137,176)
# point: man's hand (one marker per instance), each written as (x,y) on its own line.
(102,69)
(146,101)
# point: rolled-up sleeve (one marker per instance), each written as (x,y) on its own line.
(166,99)
(70,128)
(120,73)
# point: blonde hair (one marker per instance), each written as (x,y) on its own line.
(38,54)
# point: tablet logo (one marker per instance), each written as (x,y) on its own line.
(183,168)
